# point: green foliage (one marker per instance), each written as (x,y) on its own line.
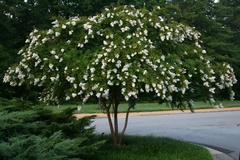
(54,147)
(5,60)
(18,18)
(35,133)
(218,22)
(227,13)
(125,49)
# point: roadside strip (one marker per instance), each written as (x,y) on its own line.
(102,115)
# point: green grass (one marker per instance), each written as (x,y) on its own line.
(151,148)
(141,107)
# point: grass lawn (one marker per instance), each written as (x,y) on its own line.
(141,107)
(150,148)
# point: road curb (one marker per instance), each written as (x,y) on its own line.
(218,155)
(102,115)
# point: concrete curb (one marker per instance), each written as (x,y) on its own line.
(102,115)
(217,155)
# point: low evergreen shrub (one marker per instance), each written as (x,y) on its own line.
(30,133)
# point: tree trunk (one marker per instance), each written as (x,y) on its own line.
(115,113)
(111,126)
(112,107)
(125,125)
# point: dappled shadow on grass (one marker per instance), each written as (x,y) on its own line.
(151,148)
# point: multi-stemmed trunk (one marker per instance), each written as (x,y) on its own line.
(111,107)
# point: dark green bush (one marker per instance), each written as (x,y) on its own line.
(28,132)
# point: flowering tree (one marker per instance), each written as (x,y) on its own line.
(117,55)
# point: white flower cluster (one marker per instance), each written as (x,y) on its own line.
(135,49)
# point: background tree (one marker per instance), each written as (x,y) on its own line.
(117,55)
(219,38)
(227,13)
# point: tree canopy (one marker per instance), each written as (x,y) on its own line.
(218,23)
(117,55)
(135,49)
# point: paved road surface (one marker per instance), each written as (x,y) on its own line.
(217,129)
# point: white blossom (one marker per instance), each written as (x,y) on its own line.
(122,53)
(57,34)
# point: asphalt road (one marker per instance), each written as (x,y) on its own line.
(220,130)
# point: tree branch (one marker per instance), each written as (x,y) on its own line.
(106,107)
(126,121)
(111,124)
(130,106)
(115,112)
